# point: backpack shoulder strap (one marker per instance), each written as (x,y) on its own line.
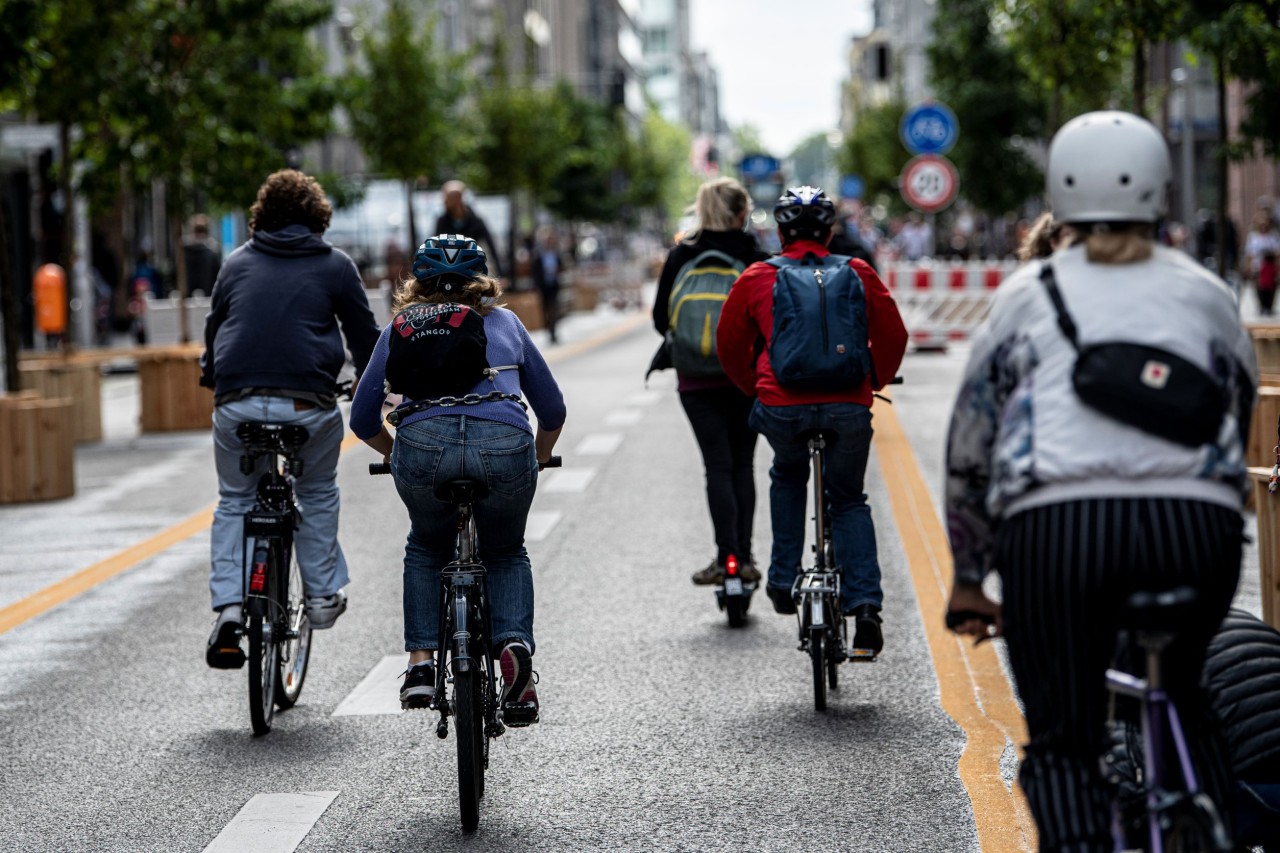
(1065,322)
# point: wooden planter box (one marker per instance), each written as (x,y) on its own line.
(527,305)
(1266,346)
(37,448)
(78,380)
(1262,431)
(172,398)
(1268,509)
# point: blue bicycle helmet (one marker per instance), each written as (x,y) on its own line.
(448,258)
(804,212)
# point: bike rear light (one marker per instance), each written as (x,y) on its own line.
(731,566)
(258,580)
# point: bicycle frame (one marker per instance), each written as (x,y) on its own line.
(817,587)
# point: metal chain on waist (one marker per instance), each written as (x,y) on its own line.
(395,417)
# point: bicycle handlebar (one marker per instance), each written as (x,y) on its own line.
(376,468)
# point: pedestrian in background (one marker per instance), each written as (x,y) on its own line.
(705,264)
(459,218)
(1080,489)
(203,256)
(547,265)
(282,306)
(1261,247)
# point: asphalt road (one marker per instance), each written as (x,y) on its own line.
(663,729)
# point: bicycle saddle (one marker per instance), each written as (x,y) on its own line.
(266,437)
(461,491)
(1164,611)
(828,435)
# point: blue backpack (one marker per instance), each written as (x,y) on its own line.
(819,340)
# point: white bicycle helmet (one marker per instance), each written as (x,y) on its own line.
(1108,166)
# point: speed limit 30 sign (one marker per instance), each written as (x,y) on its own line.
(929,183)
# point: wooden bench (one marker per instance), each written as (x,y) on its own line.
(37,448)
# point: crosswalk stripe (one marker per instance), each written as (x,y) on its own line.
(272,823)
(378,693)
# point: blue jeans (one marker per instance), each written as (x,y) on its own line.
(320,559)
(843,470)
(501,456)
(1258,813)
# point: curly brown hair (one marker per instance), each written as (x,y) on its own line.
(289,197)
(480,292)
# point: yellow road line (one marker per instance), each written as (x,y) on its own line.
(69,587)
(974,690)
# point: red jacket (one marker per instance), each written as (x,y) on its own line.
(747,317)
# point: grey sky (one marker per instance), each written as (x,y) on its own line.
(780,61)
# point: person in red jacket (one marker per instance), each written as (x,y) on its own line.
(743,337)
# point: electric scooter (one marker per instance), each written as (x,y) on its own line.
(733,596)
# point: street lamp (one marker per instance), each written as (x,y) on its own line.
(1182,81)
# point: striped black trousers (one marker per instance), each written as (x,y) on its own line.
(1067,570)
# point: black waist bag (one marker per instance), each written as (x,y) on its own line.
(1143,386)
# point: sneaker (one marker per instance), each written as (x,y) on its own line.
(223,650)
(419,688)
(782,601)
(323,611)
(519,698)
(868,640)
(748,572)
(712,575)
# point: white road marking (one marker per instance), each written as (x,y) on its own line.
(644,398)
(540,524)
(599,444)
(624,417)
(378,693)
(272,823)
(568,480)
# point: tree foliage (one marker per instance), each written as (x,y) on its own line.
(658,167)
(997,108)
(874,151)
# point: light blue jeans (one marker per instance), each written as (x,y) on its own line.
(438,449)
(844,468)
(320,559)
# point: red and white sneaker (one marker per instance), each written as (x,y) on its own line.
(519,697)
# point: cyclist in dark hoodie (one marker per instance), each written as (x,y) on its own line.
(273,351)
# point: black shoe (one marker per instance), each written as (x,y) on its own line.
(868,640)
(519,697)
(223,650)
(419,686)
(782,601)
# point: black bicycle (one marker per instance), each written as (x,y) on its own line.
(465,657)
(277,626)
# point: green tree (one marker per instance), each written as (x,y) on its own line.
(976,73)
(811,161)
(874,151)
(589,183)
(658,167)
(403,102)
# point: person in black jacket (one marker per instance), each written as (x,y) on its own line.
(1242,674)
(716,409)
(458,218)
(273,351)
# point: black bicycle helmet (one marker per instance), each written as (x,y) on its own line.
(804,212)
(447,259)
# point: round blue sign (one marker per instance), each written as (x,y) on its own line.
(852,186)
(929,128)
(759,166)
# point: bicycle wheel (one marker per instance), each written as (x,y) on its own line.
(833,678)
(295,647)
(263,658)
(469,729)
(1196,828)
(818,653)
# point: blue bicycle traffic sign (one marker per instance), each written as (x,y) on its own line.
(929,128)
(852,186)
(758,167)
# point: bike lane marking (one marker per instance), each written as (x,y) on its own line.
(13,615)
(540,523)
(566,480)
(973,688)
(599,444)
(378,692)
(272,823)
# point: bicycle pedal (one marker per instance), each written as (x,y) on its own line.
(517,715)
(863,656)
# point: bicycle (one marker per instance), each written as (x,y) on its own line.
(465,658)
(1175,817)
(277,625)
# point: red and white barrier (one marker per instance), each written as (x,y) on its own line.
(943,302)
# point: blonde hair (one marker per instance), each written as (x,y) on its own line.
(718,205)
(480,292)
(1038,243)
(1123,244)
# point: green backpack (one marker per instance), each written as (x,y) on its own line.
(699,292)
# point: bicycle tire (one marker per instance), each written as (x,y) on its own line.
(818,654)
(833,678)
(295,651)
(735,607)
(1196,828)
(263,658)
(469,730)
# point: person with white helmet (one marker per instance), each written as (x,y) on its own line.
(1096,449)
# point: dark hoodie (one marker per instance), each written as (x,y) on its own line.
(273,322)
